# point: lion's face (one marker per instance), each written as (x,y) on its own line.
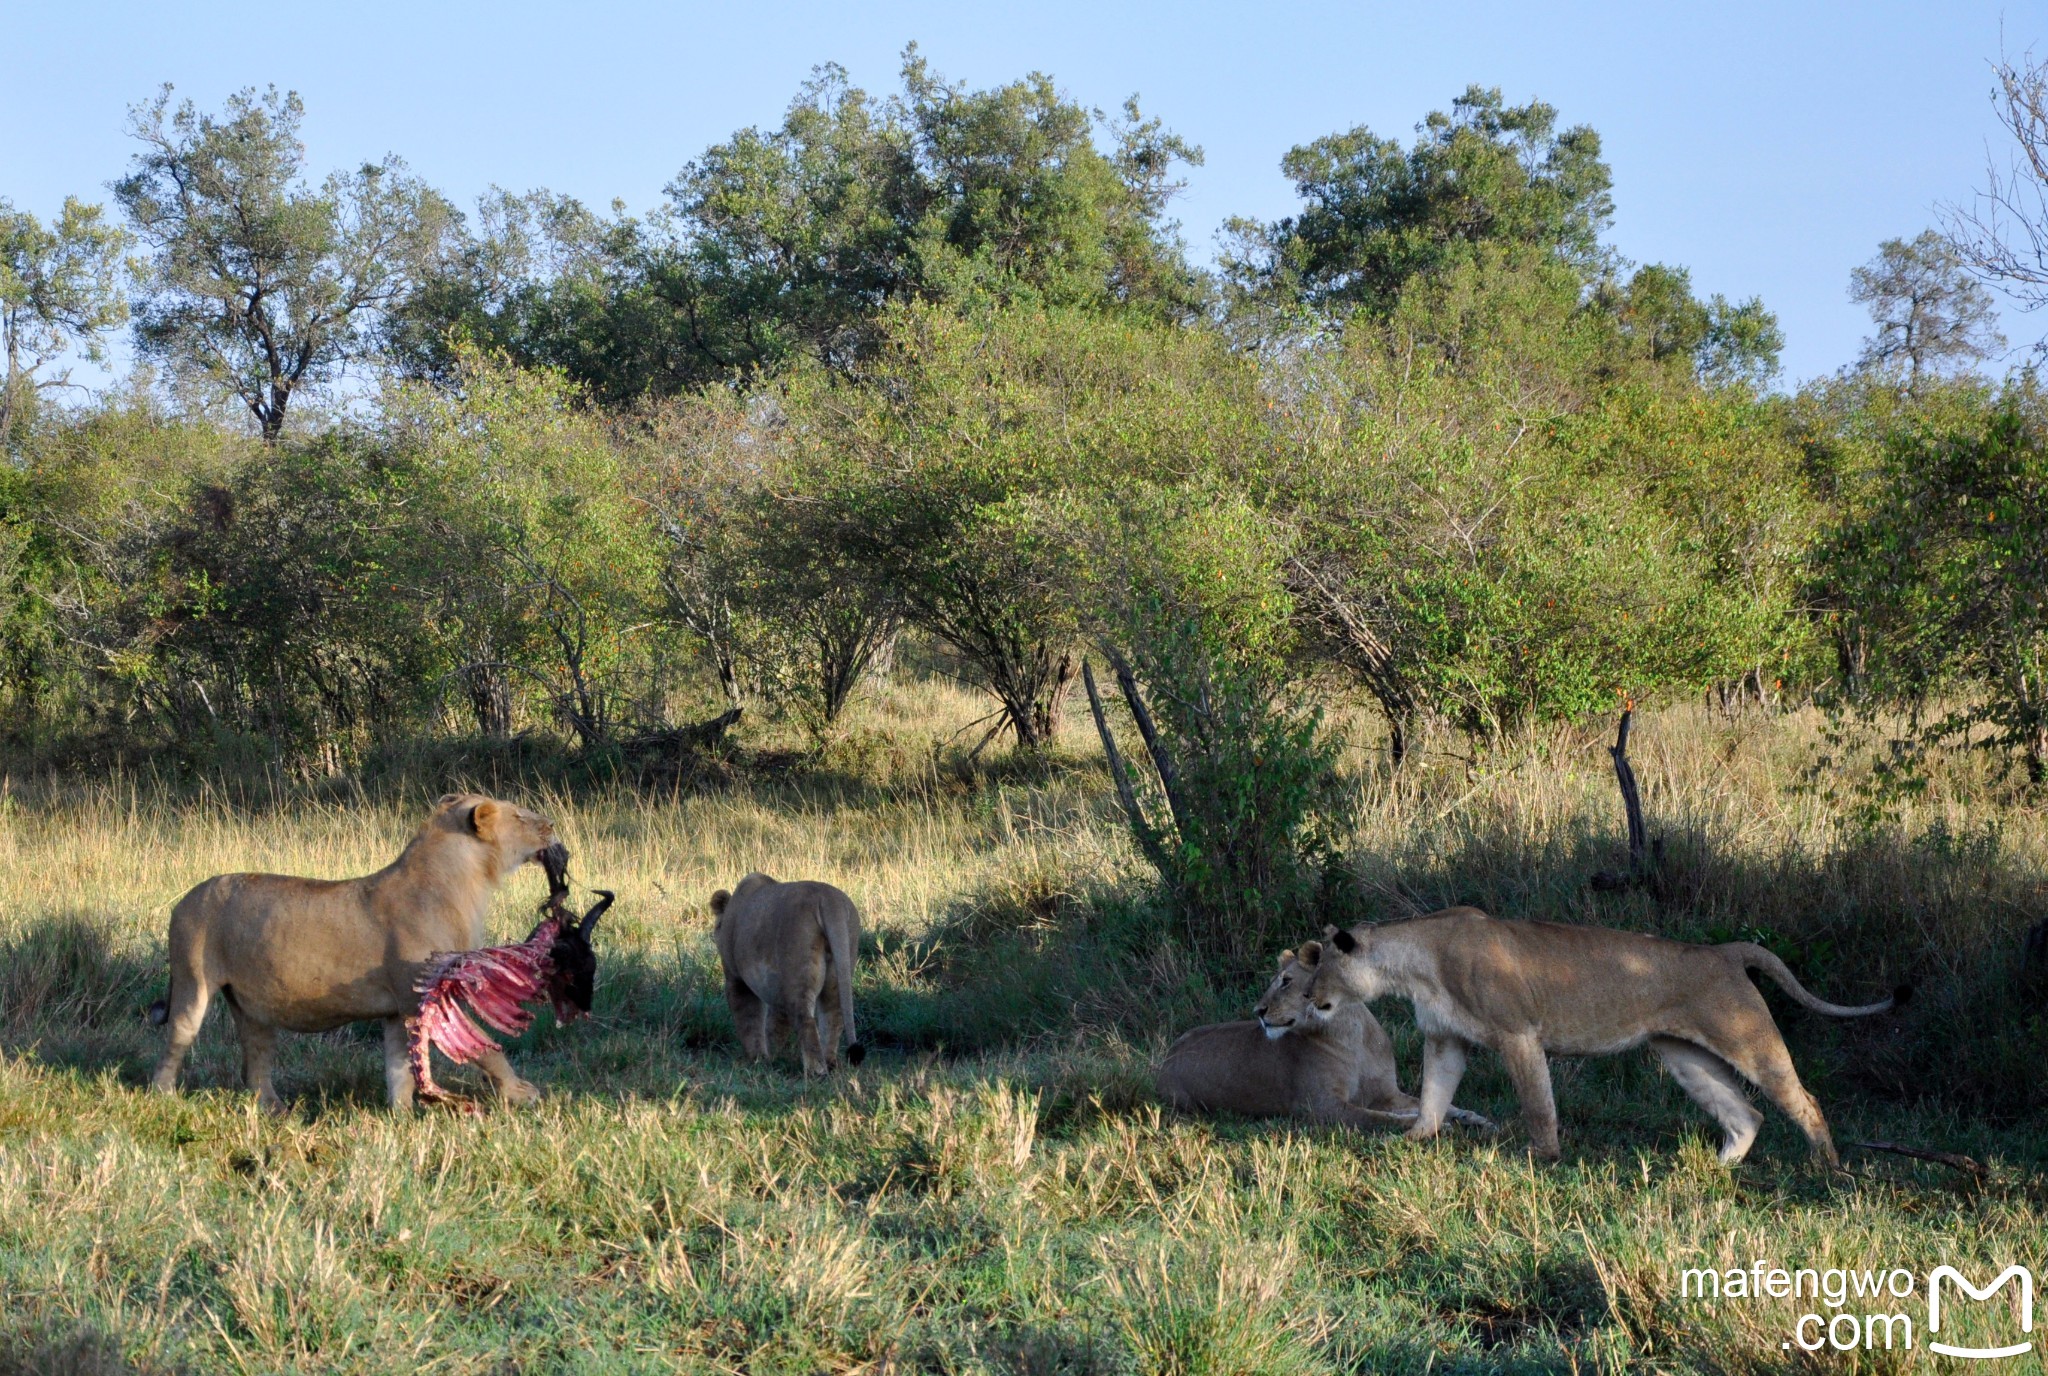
(1287,1005)
(510,834)
(1349,969)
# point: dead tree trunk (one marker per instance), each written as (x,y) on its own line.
(1645,857)
(1126,795)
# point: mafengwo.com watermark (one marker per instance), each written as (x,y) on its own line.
(1946,1313)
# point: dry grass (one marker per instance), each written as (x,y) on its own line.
(994,1190)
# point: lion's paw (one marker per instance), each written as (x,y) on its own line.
(520,1093)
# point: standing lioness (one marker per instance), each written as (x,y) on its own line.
(787,949)
(309,955)
(1530,989)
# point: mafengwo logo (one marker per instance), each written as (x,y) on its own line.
(1866,1312)
(2026,1310)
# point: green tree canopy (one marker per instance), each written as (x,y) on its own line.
(789,242)
(60,288)
(1375,215)
(260,285)
(1931,315)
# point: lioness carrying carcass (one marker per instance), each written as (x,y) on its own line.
(785,949)
(309,955)
(1293,1060)
(1530,989)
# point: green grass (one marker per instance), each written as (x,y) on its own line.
(995,1190)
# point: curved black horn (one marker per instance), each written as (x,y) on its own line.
(604,900)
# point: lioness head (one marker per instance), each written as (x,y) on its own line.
(1349,970)
(1287,1006)
(510,835)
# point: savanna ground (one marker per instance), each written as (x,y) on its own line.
(995,1189)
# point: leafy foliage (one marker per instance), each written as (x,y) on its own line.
(1945,563)
(790,243)
(261,285)
(60,289)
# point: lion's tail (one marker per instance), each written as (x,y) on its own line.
(159,1012)
(838,935)
(1755,957)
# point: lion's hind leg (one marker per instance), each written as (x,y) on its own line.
(1759,1055)
(1713,1086)
(832,1027)
(185,1014)
(749,1018)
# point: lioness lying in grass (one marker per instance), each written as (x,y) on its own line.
(1528,990)
(1330,1065)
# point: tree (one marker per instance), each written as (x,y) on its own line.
(263,286)
(1505,531)
(947,469)
(519,543)
(1189,606)
(60,288)
(790,243)
(1948,560)
(1376,216)
(2003,235)
(1930,314)
(1720,342)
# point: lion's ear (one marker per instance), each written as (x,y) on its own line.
(447,798)
(719,900)
(1344,941)
(1311,952)
(484,819)
(1285,956)
(1329,933)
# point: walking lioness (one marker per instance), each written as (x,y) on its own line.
(308,955)
(1293,1060)
(788,952)
(1530,989)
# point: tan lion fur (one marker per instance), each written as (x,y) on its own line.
(1529,990)
(308,955)
(1292,1060)
(787,950)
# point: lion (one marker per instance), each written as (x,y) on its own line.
(309,955)
(785,948)
(1528,990)
(1293,1060)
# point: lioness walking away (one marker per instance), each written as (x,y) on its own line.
(788,950)
(309,955)
(1293,1060)
(1530,989)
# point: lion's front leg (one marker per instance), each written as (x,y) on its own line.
(511,1088)
(1443,1065)
(397,1063)
(259,1063)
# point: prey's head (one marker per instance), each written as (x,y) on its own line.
(572,979)
(1286,1006)
(509,834)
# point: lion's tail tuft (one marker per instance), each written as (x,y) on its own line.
(159,1013)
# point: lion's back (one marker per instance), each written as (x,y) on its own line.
(1230,1067)
(777,928)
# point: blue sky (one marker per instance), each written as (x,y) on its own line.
(1768,147)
